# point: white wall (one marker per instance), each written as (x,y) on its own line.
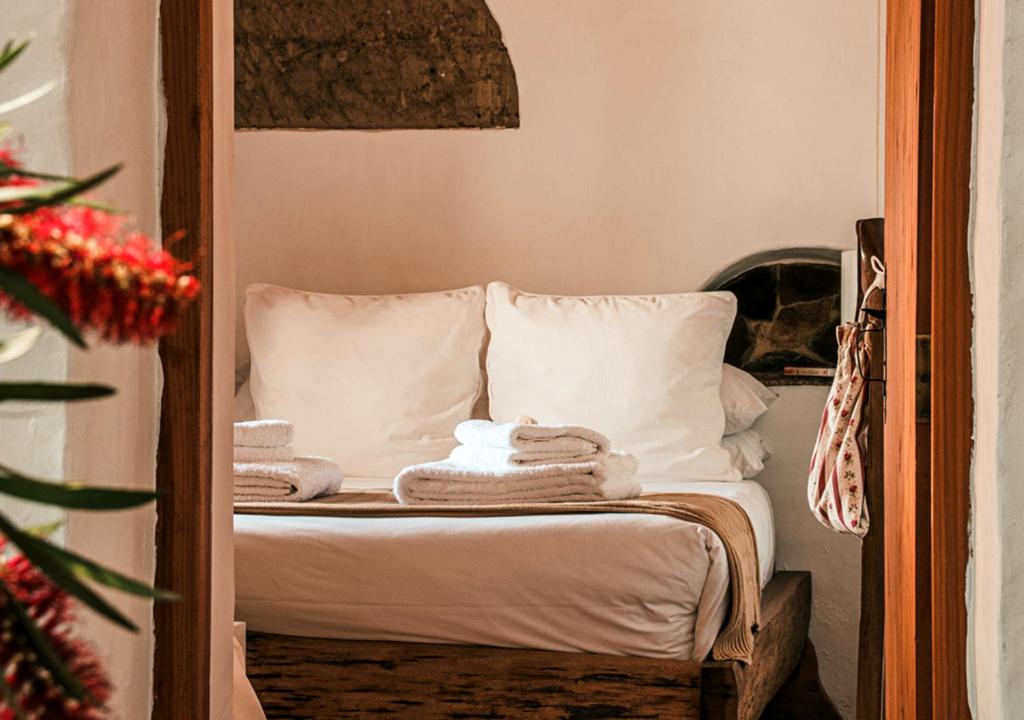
(661,140)
(116,116)
(802,543)
(996,574)
(32,435)
(105,109)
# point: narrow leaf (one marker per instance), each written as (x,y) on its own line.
(12,193)
(45,530)
(102,207)
(45,651)
(50,392)
(14,346)
(12,50)
(28,295)
(87,569)
(7,170)
(73,496)
(40,553)
(28,98)
(61,193)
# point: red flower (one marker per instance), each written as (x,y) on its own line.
(118,284)
(50,607)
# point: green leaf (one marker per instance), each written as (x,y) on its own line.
(41,554)
(85,568)
(73,496)
(28,295)
(28,98)
(45,651)
(14,346)
(102,207)
(50,392)
(12,50)
(8,170)
(45,530)
(12,193)
(46,196)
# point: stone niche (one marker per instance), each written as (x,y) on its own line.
(371,64)
(787,313)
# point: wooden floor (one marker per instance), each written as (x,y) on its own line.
(317,678)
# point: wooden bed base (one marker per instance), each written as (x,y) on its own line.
(316,678)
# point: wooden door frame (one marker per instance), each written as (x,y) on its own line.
(181,682)
(929,128)
(929,97)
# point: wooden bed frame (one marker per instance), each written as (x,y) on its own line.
(315,678)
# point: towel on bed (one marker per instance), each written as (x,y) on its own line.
(246,454)
(499,458)
(264,433)
(301,479)
(560,440)
(447,481)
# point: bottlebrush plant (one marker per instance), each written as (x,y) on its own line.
(77,267)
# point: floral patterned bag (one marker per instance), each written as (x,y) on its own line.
(835,486)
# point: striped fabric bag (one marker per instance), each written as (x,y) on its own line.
(835,485)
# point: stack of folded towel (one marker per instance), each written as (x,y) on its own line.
(499,463)
(266,468)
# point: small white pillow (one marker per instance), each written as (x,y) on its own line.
(744,399)
(644,370)
(747,452)
(374,382)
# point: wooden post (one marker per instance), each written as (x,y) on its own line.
(181,685)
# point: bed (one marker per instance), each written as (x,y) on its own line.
(559,615)
(640,585)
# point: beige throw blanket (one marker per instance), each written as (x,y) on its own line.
(725,517)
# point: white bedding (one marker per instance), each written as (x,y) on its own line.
(619,584)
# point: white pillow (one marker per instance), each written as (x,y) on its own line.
(747,452)
(375,383)
(744,399)
(644,370)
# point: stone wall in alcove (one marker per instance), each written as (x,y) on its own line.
(371,64)
(786,317)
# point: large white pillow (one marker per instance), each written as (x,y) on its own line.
(744,399)
(373,382)
(644,370)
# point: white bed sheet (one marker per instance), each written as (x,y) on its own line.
(620,584)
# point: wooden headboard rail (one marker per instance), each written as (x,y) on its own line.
(872,588)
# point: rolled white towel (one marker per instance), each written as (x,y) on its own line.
(473,456)
(264,433)
(567,440)
(245,454)
(449,482)
(301,479)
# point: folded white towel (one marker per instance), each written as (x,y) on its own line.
(301,479)
(245,454)
(264,433)
(473,456)
(563,440)
(446,481)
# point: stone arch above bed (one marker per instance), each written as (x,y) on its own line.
(788,308)
(372,64)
